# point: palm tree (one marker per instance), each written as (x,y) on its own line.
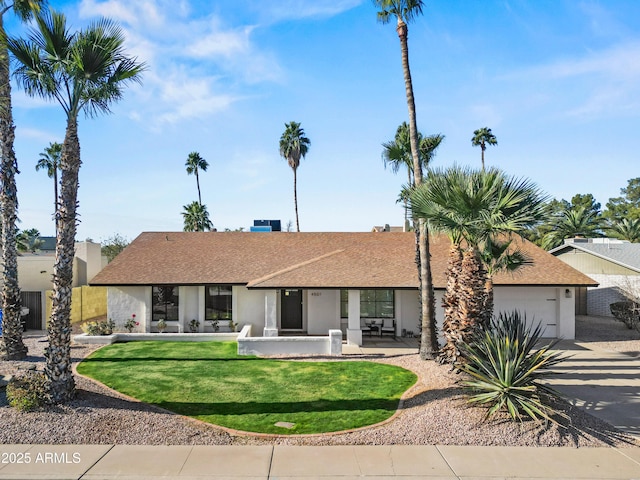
(194,163)
(294,145)
(12,347)
(405,11)
(29,240)
(573,222)
(397,154)
(626,229)
(473,208)
(49,161)
(196,218)
(85,72)
(483,137)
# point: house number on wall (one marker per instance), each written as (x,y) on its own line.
(316,294)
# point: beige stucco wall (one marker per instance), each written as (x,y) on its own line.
(590,264)
(35,272)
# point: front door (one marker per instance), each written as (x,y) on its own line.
(291,309)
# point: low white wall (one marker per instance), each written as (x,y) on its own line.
(329,345)
(158,337)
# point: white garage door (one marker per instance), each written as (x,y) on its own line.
(538,303)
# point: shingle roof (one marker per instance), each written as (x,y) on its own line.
(621,253)
(303,260)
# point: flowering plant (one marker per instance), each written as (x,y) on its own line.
(131,323)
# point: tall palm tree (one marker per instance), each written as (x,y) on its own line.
(196,218)
(12,347)
(573,222)
(50,160)
(294,145)
(194,163)
(483,137)
(405,11)
(473,208)
(396,154)
(84,71)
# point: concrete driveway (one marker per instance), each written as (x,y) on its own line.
(606,384)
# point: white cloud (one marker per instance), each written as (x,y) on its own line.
(220,43)
(34,134)
(296,9)
(197,63)
(600,82)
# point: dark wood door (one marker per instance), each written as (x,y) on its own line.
(291,309)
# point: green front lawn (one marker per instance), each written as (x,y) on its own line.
(210,382)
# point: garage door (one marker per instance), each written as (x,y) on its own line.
(539,304)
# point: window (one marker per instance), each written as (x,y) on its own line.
(164,302)
(217,303)
(373,304)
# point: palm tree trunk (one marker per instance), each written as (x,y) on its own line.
(428,337)
(58,354)
(488,301)
(482,148)
(451,323)
(55,200)
(13,347)
(471,301)
(295,196)
(198,184)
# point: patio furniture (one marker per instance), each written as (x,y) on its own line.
(365,326)
(388,327)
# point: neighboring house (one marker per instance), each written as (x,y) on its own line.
(610,262)
(309,283)
(35,275)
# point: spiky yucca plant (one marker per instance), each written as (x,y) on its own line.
(506,367)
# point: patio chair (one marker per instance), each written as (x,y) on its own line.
(388,327)
(365,327)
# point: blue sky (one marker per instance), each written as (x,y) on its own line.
(557,81)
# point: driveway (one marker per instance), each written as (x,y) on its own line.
(604,383)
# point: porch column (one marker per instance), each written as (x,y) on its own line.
(354,334)
(270,318)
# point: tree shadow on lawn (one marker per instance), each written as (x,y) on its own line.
(262,408)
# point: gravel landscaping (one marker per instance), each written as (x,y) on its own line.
(434,411)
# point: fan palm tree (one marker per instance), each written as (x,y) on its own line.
(626,229)
(194,163)
(85,72)
(405,11)
(573,222)
(473,208)
(13,348)
(49,161)
(196,218)
(29,240)
(294,145)
(397,154)
(481,138)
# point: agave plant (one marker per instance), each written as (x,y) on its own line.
(506,366)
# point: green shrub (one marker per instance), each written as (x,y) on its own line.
(627,313)
(28,392)
(103,327)
(505,367)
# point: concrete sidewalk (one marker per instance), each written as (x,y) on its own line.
(343,462)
